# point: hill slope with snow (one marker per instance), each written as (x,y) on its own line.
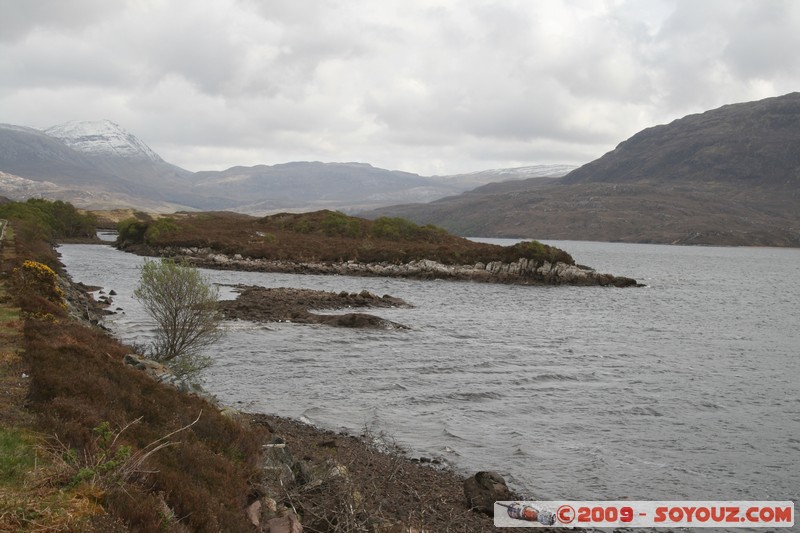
(102,138)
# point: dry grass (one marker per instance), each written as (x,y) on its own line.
(77,387)
(95,470)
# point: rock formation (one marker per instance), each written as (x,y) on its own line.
(520,272)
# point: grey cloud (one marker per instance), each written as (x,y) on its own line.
(195,50)
(60,61)
(764,33)
(414,83)
(709,53)
(21,17)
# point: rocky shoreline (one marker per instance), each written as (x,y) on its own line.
(314,479)
(520,272)
(342,482)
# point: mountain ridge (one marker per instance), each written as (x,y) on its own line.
(101,165)
(729,176)
(745,141)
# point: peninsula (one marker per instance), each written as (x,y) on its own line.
(330,242)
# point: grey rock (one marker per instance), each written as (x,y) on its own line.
(485,488)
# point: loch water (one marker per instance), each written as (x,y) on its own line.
(686,389)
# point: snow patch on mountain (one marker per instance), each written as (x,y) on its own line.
(533,171)
(15,186)
(102,138)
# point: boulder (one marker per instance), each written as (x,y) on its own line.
(152,368)
(485,488)
(285,524)
(253,513)
(277,464)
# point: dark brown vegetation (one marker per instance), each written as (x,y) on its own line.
(81,397)
(322,236)
(295,305)
(78,382)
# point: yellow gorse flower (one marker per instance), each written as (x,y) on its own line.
(37,267)
(40,278)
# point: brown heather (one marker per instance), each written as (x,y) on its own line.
(78,381)
(322,236)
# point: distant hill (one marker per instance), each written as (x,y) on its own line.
(482,177)
(313,185)
(37,164)
(100,165)
(750,144)
(730,176)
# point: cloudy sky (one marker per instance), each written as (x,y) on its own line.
(427,86)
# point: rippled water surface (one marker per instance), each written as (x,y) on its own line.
(685,389)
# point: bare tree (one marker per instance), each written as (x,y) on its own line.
(183,304)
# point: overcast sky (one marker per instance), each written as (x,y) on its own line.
(426,86)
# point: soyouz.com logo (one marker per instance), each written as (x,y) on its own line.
(727,514)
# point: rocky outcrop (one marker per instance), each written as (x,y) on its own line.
(485,488)
(80,303)
(293,305)
(520,272)
(163,374)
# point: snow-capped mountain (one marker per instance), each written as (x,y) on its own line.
(102,138)
(129,166)
(30,153)
(97,162)
(91,163)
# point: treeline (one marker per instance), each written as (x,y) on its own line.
(49,220)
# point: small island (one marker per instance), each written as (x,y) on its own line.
(261,304)
(330,242)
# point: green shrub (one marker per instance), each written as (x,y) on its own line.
(337,223)
(304,226)
(183,303)
(158,228)
(51,220)
(33,279)
(539,252)
(395,229)
(131,231)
